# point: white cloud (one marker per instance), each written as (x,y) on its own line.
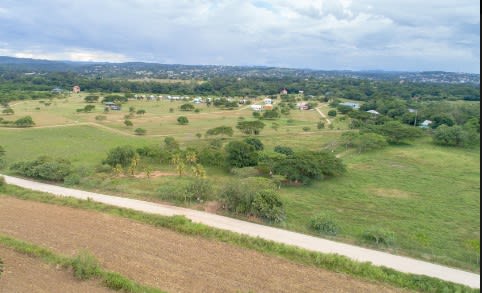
(303,33)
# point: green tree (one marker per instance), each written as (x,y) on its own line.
(122,156)
(332,113)
(250,127)
(24,122)
(241,154)
(396,132)
(255,142)
(267,205)
(128,123)
(187,107)
(222,131)
(183,120)
(450,136)
(2,157)
(141,112)
(91,99)
(8,111)
(140,131)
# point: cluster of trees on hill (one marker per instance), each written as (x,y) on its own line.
(16,86)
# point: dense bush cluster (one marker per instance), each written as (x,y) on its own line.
(45,168)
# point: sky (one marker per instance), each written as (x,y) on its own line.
(403,35)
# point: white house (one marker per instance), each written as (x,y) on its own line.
(373,112)
(256,108)
(268,101)
(426,124)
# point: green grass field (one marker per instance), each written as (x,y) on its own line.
(428,196)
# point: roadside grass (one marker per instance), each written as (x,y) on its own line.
(340,264)
(84,266)
(428,196)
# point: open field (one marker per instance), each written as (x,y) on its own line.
(27,274)
(428,196)
(164,259)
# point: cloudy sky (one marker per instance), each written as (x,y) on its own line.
(320,34)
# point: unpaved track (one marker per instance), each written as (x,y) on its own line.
(399,263)
(25,274)
(164,259)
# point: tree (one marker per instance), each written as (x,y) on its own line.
(370,141)
(250,127)
(8,111)
(442,119)
(332,113)
(396,132)
(89,108)
(128,123)
(241,154)
(255,142)
(91,99)
(2,157)
(187,107)
(24,122)
(183,120)
(271,115)
(122,156)
(140,131)
(287,151)
(171,144)
(141,112)
(344,109)
(321,125)
(450,136)
(222,130)
(267,204)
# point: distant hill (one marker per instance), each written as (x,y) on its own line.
(141,70)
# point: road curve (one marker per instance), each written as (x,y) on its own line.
(399,263)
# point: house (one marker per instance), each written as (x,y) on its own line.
(57,91)
(76,89)
(303,106)
(112,106)
(301,92)
(354,106)
(268,101)
(373,112)
(426,124)
(268,107)
(256,108)
(284,92)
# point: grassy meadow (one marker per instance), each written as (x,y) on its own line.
(428,196)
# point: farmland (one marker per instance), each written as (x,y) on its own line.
(427,196)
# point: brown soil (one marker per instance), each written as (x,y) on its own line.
(164,259)
(26,274)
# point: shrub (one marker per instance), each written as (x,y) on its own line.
(100,118)
(284,150)
(140,131)
(324,224)
(120,156)
(45,168)
(85,266)
(255,142)
(267,205)
(379,236)
(306,129)
(183,120)
(321,125)
(24,122)
(241,154)
(199,190)
(187,107)
(332,113)
(128,123)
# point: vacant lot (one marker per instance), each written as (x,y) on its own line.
(26,274)
(164,259)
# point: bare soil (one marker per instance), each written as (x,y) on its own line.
(26,274)
(165,259)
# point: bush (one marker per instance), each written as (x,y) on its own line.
(183,120)
(324,224)
(241,154)
(255,142)
(85,266)
(120,156)
(24,122)
(140,131)
(379,236)
(100,118)
(45,168)
(284,150)
(332,113)
(306,129)
(199,190)
(267,205)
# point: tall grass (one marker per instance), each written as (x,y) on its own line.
(365,271)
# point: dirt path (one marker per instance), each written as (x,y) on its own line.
(26,274)
(399,263)
(323,115)
(165,259)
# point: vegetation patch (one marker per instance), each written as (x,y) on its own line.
(336,263)
(84,266)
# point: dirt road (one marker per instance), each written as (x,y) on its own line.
(399,263)
(164,259)
(26,274)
